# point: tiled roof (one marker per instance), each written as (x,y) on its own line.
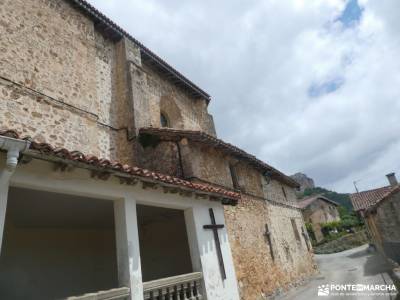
(307,201)
(106,165)
(102,21)
(201,137)
(366,199)
(393,190)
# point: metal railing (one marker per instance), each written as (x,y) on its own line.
(181,287)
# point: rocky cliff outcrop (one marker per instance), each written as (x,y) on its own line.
(304,181)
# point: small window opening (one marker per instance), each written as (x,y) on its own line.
(164,120)
(234,177)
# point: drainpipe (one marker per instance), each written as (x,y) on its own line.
(13,147)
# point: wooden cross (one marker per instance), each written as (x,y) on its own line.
(267,235)
(214,227)
(305,235)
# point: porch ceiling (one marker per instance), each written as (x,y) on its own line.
(30,208)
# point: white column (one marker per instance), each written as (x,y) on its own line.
(4,185)
(128,253)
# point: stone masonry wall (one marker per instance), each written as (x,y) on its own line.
(318,213)
(387,227)
(276,191)
(249,179)
(62,82)
(260,276)
(163,158)
(388,218)
(154,94)
(209,164)
(58,79)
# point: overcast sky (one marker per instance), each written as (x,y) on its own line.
(310,86)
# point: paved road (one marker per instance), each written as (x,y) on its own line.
(355,266)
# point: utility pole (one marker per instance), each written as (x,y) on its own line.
(355,185)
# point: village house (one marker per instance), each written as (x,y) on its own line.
(380,209)
(318,210)
(112,177)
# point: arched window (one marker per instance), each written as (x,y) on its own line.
(164,120)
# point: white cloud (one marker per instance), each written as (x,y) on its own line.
(258,60)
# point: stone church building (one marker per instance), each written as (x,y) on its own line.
(113,182)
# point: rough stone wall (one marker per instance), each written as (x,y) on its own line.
(374,232)
(296,259)
(154,94)
(259,276)
(320,212)
(163,158)
(386,225)
(58,79)
(209,164)
(45,45)
(388,218)
(249,179)
(63,82)
(273,190)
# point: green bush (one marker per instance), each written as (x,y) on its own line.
(310,232)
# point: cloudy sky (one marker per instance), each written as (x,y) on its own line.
(310,86)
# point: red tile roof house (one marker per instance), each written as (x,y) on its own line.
(380,209)
(96,197)
(318,210)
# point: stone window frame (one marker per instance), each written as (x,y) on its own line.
(164,120)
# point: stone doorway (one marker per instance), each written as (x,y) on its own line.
(164,246)
(56,246)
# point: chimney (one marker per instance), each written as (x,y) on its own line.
(392,179)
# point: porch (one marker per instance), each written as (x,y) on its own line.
(67,234)
(56,246)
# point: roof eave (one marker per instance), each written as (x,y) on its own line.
(35,154)
(176,134)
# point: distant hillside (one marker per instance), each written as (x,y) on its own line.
(342,199)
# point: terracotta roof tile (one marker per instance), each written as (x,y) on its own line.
(201,137)
(366,199)
(107,165)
